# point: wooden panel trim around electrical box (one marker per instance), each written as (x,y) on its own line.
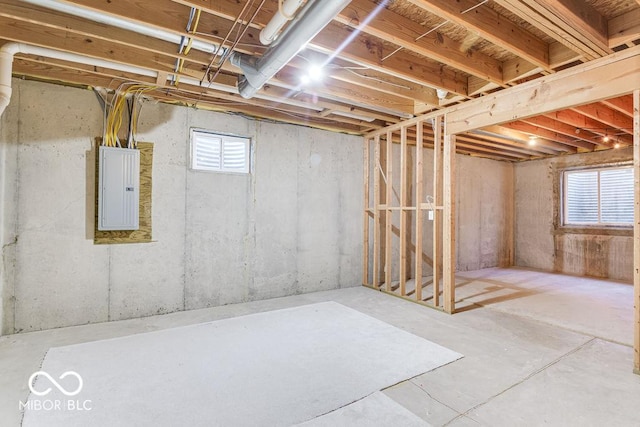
(143,233)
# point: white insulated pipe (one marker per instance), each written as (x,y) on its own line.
(313,17)
(285,13)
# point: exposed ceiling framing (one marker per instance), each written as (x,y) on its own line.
(390,68)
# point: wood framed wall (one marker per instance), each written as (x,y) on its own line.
(608,77)
(405,199)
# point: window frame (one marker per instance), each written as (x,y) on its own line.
(563,198)
(223,136)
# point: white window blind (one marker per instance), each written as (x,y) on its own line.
(599,196)
(219,153)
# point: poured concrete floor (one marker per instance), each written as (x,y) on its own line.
(540,349)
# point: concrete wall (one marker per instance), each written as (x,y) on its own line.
(541,243)
(294,225)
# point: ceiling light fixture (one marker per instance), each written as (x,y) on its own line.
(616,145)
(605,138)
(533,140)
(315,72)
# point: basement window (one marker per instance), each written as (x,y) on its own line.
(598,197)
(215,152)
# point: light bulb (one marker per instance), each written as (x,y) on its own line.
(315,73)
(606,138)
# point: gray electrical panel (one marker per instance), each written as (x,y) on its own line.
(118,188)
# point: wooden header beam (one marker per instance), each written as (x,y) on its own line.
(603,78)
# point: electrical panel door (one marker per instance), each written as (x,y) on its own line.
(118,188)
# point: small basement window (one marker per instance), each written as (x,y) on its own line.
(598,197)
(219,153)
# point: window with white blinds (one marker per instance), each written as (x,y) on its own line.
(219,153)
(599,196)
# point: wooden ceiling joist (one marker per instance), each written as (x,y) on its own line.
(389,70)
(490,26)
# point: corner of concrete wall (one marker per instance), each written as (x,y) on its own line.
(9,134)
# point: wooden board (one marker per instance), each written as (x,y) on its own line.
(636,232)
(143,233)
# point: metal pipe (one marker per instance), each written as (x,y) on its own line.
(310,21)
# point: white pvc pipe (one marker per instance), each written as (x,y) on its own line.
(120,23)
(6,63)
(284,14)
(7,52)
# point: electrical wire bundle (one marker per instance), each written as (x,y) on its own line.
(127,96)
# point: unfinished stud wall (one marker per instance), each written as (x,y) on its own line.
(429,212)
(539,242)
(293,226)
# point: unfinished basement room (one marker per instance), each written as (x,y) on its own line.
(367,213)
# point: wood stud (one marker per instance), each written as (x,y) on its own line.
(397,268)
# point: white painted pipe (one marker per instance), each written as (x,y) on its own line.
(6,64)
(7,52)
(282,16)
(120,23)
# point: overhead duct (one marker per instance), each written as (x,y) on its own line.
(315,15)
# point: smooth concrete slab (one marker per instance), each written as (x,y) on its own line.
(504,352)
(594,307)
(374,410)
(589,387)
(271,369)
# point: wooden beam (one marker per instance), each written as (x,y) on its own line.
(449,226)
(409,34)
(547,134)
(523,138)
(573,23)
(636,232)
(586,125)
(437,213)
(490,26)
(404,214)
(365,215)
(369,52)
(594,81)
(346,92)
(624,28)
(377,220)
(610,117)
(362,49)
(624,104)
(549,123)
(419,194)
(388,259)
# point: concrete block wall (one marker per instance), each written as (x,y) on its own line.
(294,225)
(541,244)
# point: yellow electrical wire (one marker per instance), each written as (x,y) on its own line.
(116,110)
